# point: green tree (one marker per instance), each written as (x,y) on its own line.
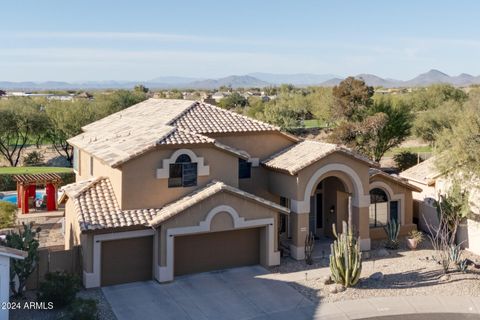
(428,124)
(141,88)
(66,120)
(234,100)
(351,98)
(431,97)
(18,123)
(458,147)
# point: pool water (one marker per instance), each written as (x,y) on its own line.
(13,198)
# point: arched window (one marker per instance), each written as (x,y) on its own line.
(182,173)
(378,208)
(382,209)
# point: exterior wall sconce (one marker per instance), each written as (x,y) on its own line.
(332,209)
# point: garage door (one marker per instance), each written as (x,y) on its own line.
(216,250)
(126,260)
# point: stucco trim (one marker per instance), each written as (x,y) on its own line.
(92,280)
(166,273)
(359,199)
(202,169)
(391,197)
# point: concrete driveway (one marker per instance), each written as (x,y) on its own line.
(230,294)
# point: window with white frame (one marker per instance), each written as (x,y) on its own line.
(76,159)
(382,210)
(182,173)
(91,166)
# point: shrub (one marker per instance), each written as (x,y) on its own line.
(416,235)
(59,288)
(405,160)
(83,309)
(8,213)
(33,159)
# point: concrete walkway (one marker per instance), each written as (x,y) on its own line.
(372,308)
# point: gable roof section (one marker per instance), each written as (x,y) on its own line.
(425,172)
(129,133)
(206,118)
(171,210)
(97,208)
(299,156)
(395,179)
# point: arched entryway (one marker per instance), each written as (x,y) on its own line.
(329,206)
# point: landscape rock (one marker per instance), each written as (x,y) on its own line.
(376,276)
(340,288)
(333,289)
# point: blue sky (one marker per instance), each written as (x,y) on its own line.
(141,40)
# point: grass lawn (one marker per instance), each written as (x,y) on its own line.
(313,123)
(419,149)
(22,170)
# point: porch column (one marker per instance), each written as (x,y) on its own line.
(51,203)
(360,210)
(299,228)
(25,195)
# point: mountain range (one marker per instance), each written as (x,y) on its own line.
(251,80)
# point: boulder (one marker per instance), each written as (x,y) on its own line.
(376,276)
(326,280)
(383,253)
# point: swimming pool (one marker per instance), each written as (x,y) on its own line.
(13,197)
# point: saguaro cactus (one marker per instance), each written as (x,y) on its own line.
(345,257)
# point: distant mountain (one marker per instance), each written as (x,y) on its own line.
(231,81)
(252,80)
(297,79)
(376,81)
(174,80)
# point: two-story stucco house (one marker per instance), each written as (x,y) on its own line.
(171,187)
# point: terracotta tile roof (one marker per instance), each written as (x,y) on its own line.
(301,155)
(425,172)
(396,179)
(199,195)
(206,118)
(131,132)
(97,208)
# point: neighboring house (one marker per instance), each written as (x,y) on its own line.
(217,96)
(171,187)
(433,183)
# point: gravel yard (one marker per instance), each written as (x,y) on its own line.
(403,273)
(104,310)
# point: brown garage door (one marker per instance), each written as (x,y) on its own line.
(126,260)
(217,250)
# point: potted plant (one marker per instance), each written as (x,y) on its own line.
(414,238)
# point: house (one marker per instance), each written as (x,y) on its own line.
(432,183)
(172,187)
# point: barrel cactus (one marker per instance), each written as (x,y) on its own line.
(345,257)
(392,229)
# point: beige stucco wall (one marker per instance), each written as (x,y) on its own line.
(142,189)
(72,228)
(100,169)
(222,221)
(258,145)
